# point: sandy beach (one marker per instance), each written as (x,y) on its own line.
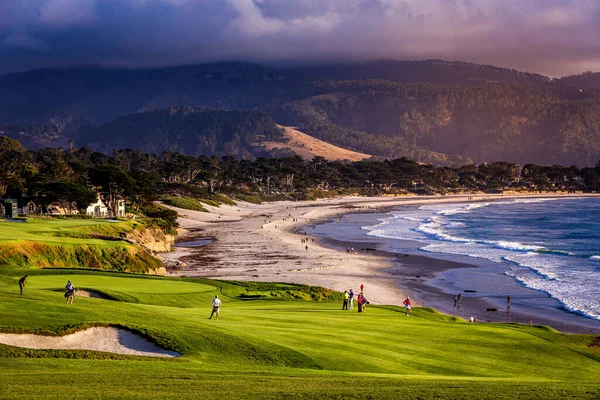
(273,242)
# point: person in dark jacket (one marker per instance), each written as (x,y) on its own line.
(22,283)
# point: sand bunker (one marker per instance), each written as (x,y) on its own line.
(88,293)
(106,339)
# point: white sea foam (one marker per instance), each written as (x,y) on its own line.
(464,209)
(567,279)
(412,219)
(576,291)
(530,201)
(543,266)
(435,228)
(398,226)
(472,250)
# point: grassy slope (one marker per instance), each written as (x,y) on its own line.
(195,204)
(267,346)
(187,203)
(70,243)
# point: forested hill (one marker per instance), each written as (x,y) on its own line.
(96,95)
(431,71)
(433,111)
(587,80)
(187,130)
(491,122)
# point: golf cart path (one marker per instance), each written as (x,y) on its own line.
(106,339)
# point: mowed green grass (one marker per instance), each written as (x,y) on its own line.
(54,231)
(77,243)
(270,347)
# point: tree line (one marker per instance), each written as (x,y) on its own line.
(79,175)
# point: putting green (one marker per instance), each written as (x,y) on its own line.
(48,230)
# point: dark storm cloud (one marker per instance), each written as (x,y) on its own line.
(554,37)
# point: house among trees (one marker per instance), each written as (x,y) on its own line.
(97,209)
(62,208)
(31,208)
(101,210)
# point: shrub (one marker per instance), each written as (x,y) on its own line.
(255,199)
(161,216)
(187,203)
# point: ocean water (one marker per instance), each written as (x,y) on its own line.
(551,245)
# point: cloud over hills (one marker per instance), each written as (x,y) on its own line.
(554,37)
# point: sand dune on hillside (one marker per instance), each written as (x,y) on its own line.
(106,339)
(308,147)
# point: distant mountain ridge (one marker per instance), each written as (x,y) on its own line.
(433,111)
(587,80)
(96,95)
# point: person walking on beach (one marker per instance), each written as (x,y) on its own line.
(351,295)
(346,298)
(406,306)
(362,288)
(22,283)
(508,301)
(455,300)
(306,248)
(459,298)
(216,307)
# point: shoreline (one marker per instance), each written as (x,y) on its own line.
(264,243)
(427,277)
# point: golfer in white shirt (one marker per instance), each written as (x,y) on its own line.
(216,306)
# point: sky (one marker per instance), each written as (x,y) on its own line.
(552,37)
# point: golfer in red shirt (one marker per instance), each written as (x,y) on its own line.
(407,306)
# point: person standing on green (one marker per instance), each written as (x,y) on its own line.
(407,306)
(216,307)
(22,283)
(346,299)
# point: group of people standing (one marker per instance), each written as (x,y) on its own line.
(361,300)
(349,301)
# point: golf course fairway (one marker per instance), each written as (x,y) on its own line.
(270,344)
(271,341)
